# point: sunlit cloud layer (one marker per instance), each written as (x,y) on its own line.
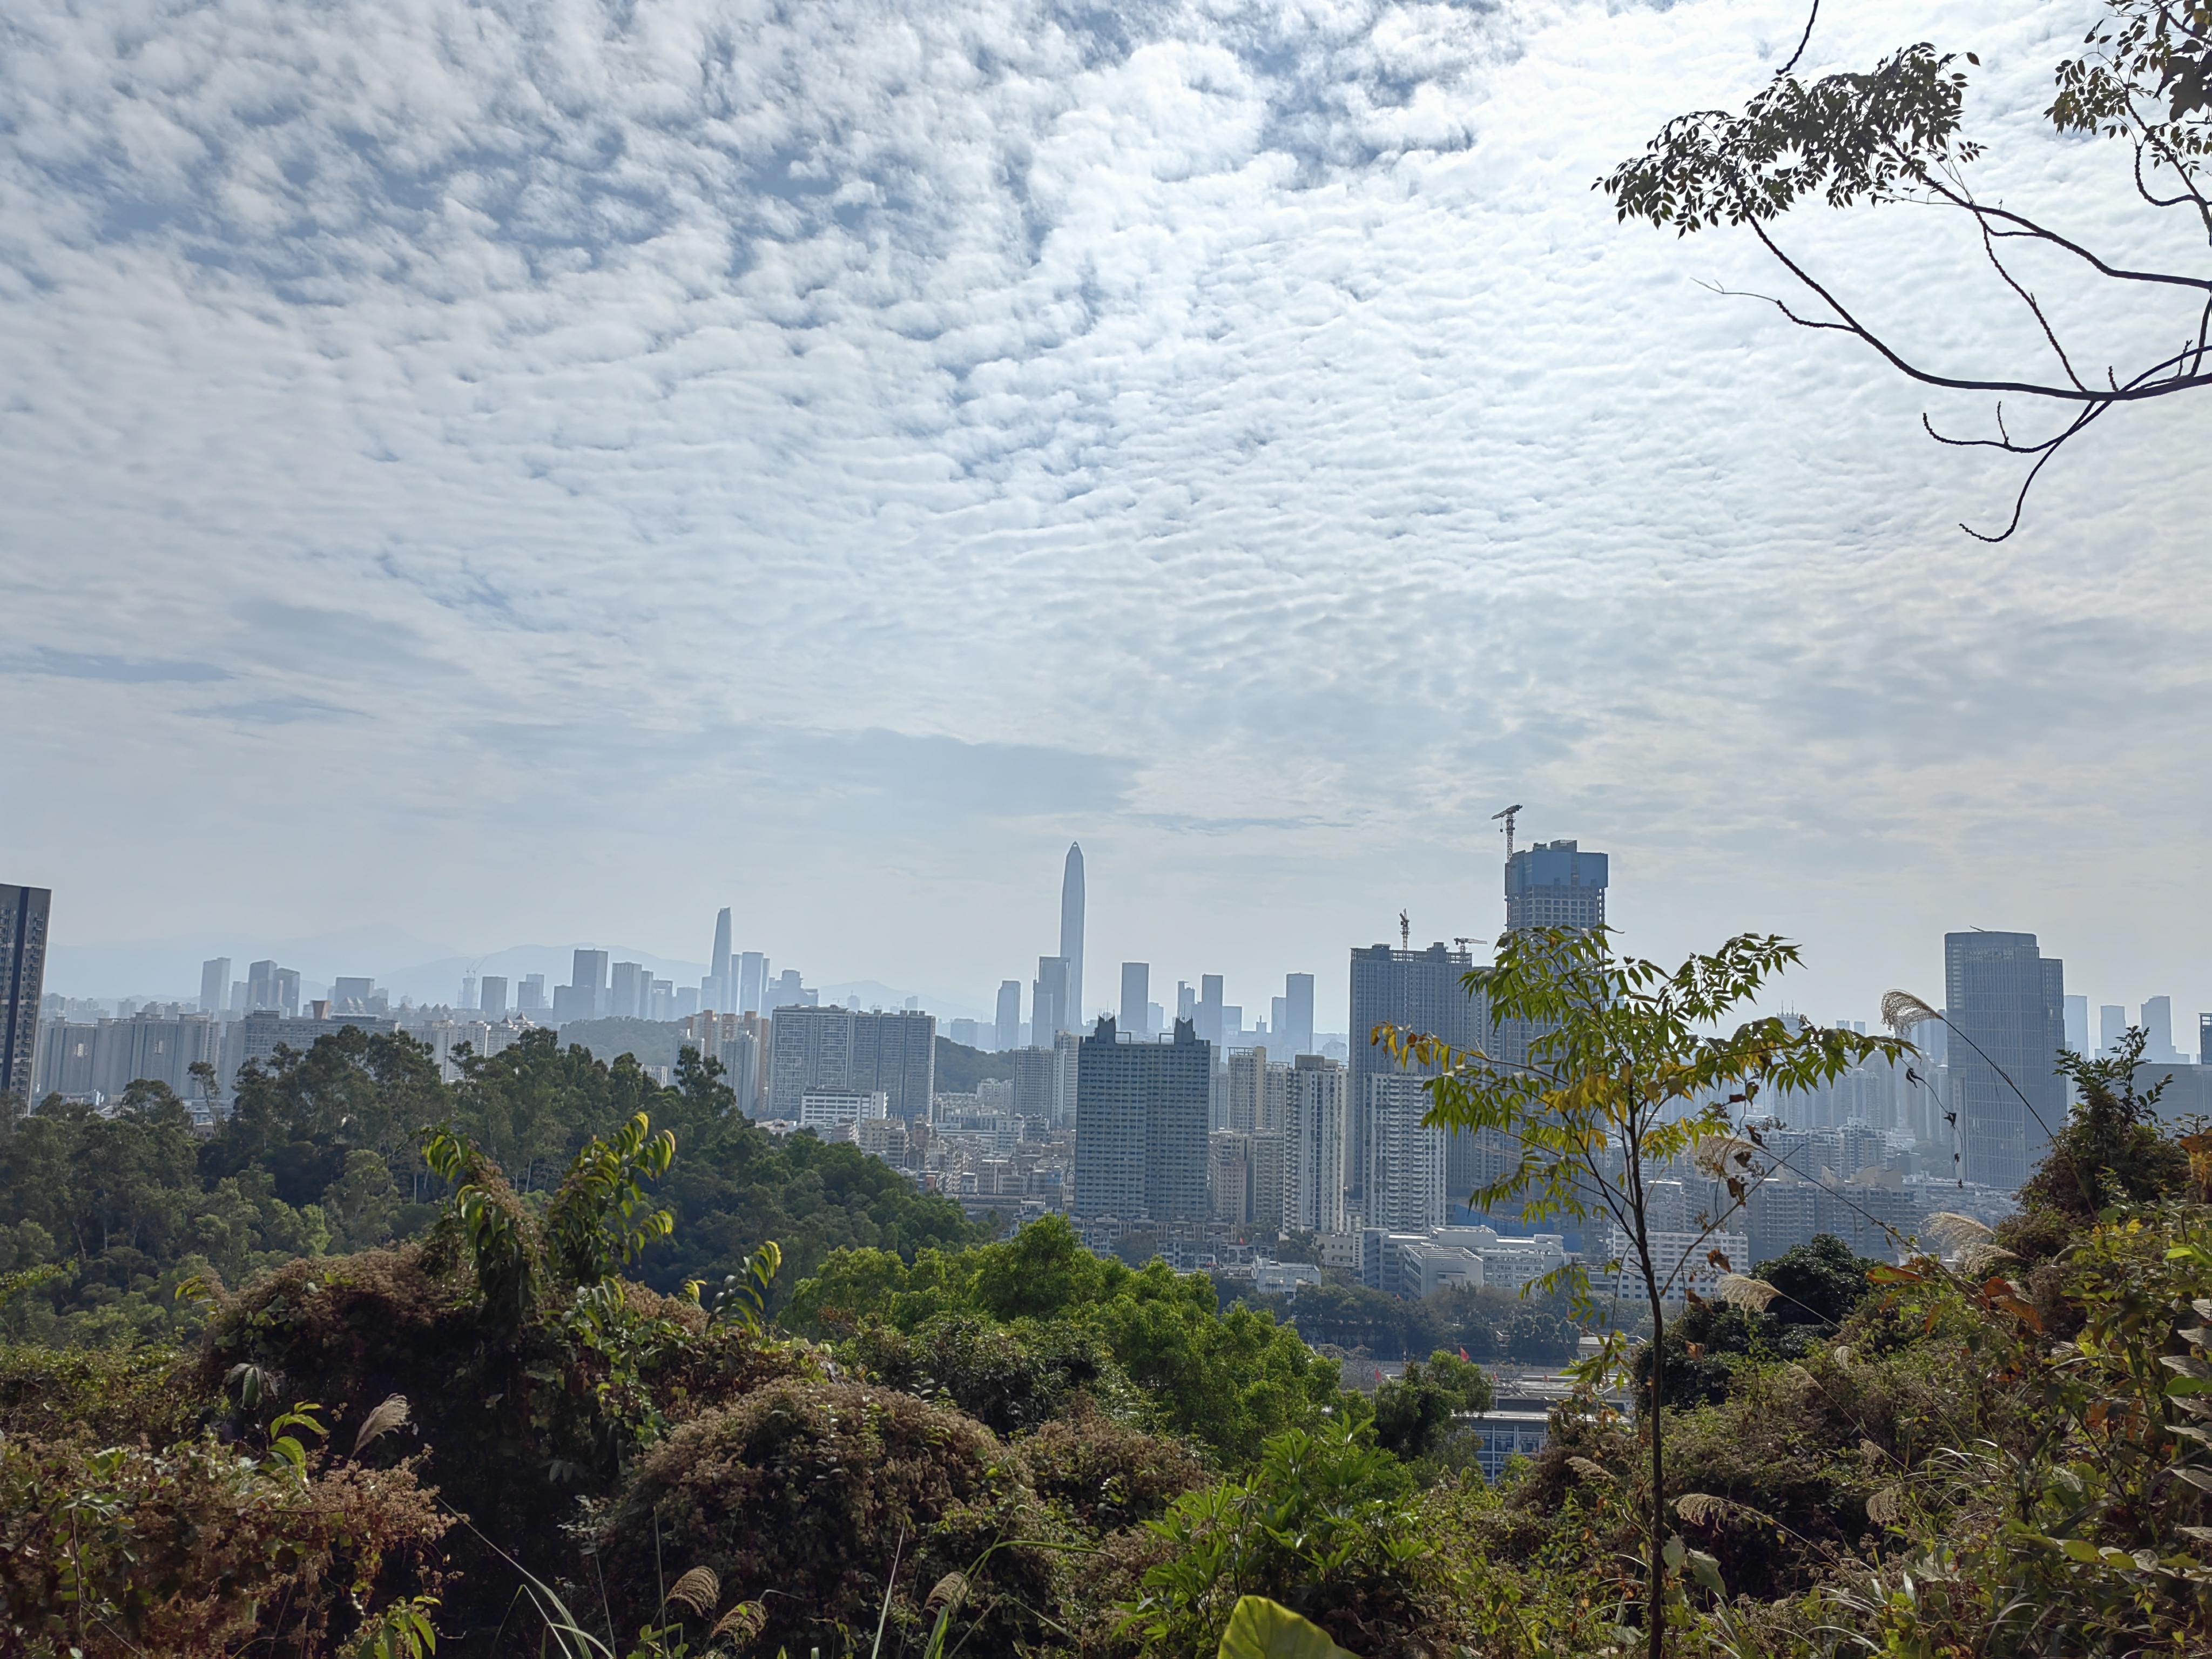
(524,471)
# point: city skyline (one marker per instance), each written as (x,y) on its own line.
(438,982)
(1334,537)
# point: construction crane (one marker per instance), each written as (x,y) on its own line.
(1507,816)
(1405,931)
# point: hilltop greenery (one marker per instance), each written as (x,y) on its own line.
(498,1430)
(321,1157)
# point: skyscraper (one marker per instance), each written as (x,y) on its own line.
(1296,1036)
(2157,1022)
(1009,1014)
(1140,1145)
(260,985)
(1048,1001)
(1421,990)
(214,986)
(491,996)
(1555,885)
(24,915)
(530,995)
(585,995)
(752,982)
(1206,1016)
(629,993)
(1071,939)
(2007,1004)
(2112,1026)
(2077,1024)
(1315,1149)
(1136,998)
(724,999)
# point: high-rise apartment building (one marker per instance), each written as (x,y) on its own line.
(1297,1019)
(100,1060)
(1404,1186)
(1315,1147)
(1071,939)
(491,996)
(214,986)
(843,1049)
(2204,1039)
(25,915)
(1421,990)
(1246,1108)
(1555,885)
(2007,1004)
(1141,1144)
(1136,998)
(1008,1020)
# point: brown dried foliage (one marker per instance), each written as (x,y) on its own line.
(800,1494)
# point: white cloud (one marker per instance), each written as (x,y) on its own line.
(1233,432)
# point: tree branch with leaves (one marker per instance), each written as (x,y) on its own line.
(1894,136)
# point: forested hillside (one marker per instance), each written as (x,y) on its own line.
(323,1157)
(529,1428)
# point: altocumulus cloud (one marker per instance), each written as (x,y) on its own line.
(1206,415)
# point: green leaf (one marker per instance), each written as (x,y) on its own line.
(1260,1629)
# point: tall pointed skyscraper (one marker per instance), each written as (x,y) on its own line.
(1071,938)
(721,994)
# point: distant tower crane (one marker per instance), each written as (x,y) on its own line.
(1508,815)
(1405,931)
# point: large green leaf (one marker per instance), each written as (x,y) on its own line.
(1260,1629)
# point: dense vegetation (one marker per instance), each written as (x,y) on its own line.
(500,1429)
(323,1156)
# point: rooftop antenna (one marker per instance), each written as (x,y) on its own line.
(1507,816)
(1405,931)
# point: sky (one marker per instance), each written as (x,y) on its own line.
(480,475)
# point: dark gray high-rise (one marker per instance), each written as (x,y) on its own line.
(24,915)
(1555,885)
(1421,990)
(1140,1142)
(2007,1005)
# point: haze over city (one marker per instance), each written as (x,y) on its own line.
(544,490)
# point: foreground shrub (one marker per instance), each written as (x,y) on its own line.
(801,1496)
(200,1549)
(1328,1527)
